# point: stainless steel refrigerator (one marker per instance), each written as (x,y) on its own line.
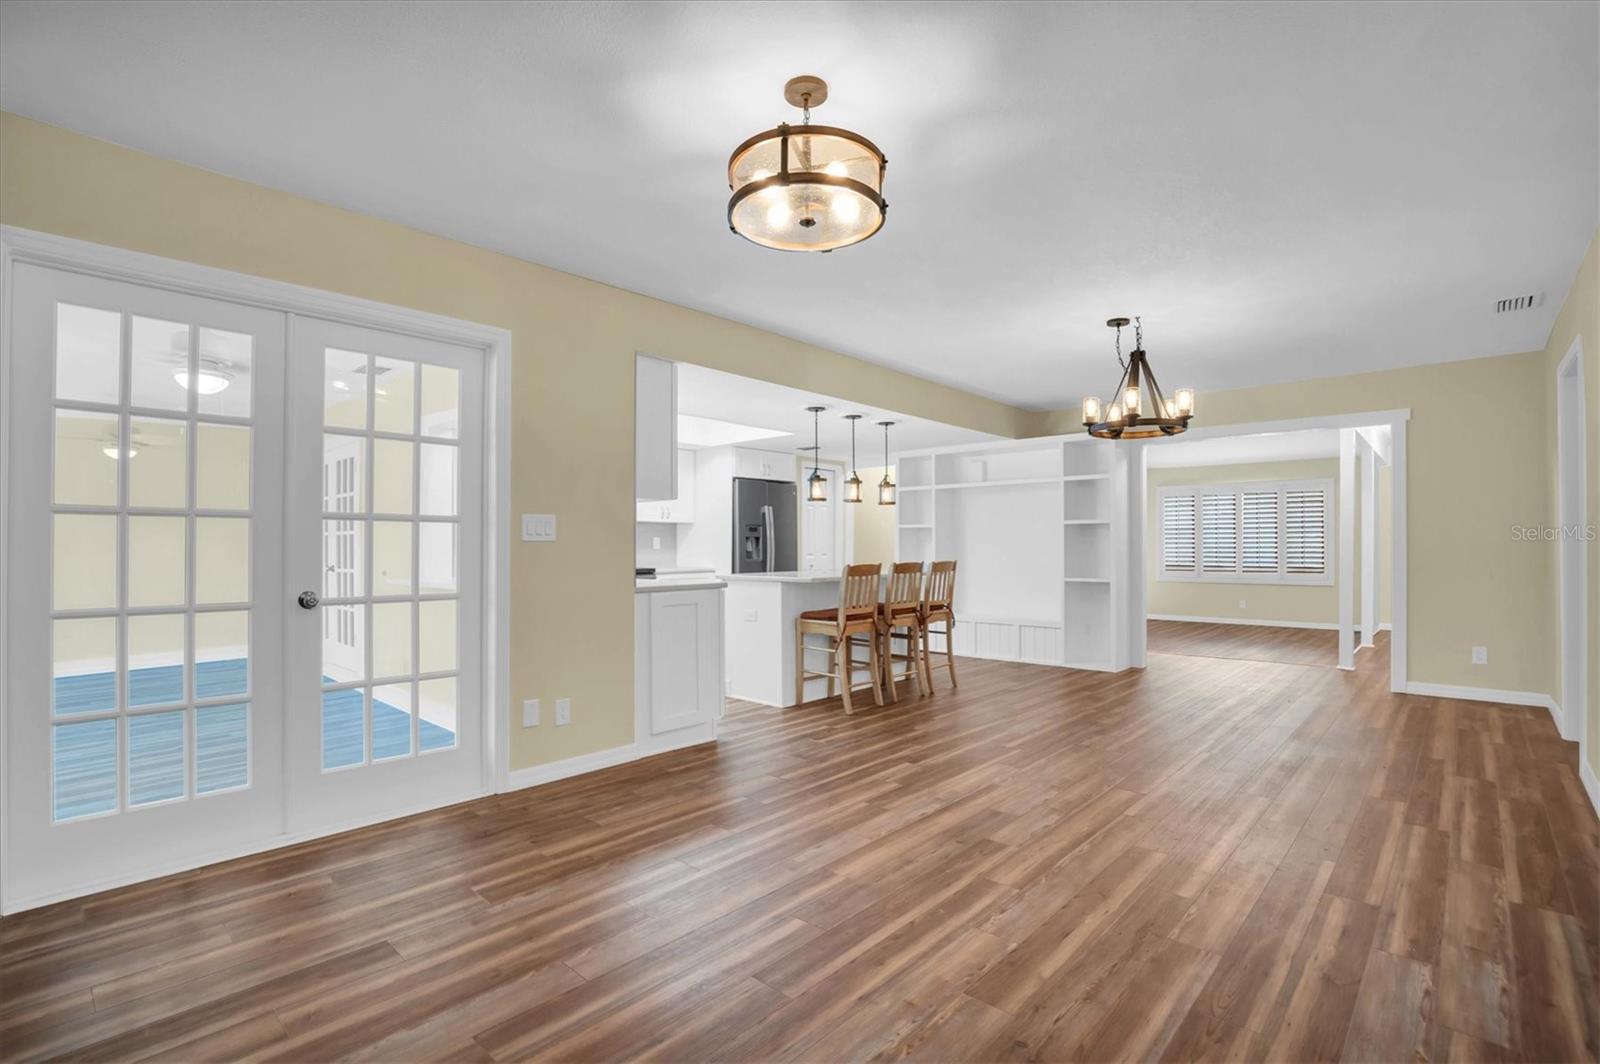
(764,519)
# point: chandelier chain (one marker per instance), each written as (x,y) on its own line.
(1138,334)
(1120,360)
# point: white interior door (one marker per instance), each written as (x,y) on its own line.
(821,520)
(385,572)
(144,679)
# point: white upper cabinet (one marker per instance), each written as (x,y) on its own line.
(763,465)
(655,428)
(678,511)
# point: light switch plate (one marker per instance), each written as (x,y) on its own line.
(539,528)
(563,711)
(530,713)
(1480,655)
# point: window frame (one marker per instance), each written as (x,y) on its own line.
(1200,575)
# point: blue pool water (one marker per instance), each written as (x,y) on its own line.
(85,752)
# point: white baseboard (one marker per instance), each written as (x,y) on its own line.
(583,764)
(1319,625)
(1484,694)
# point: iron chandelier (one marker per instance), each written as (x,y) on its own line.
(1125,418)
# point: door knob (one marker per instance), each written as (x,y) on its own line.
(308,600)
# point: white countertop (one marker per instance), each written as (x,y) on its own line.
(683,582)
(783,578)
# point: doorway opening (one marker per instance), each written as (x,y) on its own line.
(1270,546)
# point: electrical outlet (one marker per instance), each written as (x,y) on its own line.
(530,712)
(655,542)
(1242,606)
(1480,655)
(563,711)
(750,616)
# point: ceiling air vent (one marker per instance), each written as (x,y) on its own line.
(1516,303)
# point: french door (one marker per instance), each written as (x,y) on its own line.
(383,552)
(243,580)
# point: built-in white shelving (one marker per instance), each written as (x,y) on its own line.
(1041,550)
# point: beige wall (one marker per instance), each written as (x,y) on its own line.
(1311,603)
(1469,582)
(874,524)
(1579,317)
(572,377)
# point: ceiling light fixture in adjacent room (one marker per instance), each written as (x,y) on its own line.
(210,377)
(886,485)
(1125,418)
(806,187)
(852,487)
(816,483)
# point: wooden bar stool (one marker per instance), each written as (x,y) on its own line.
(901,611)
(938,604)
(857,615)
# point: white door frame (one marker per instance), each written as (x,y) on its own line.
(19,245)
(1395,421)
(1572,488)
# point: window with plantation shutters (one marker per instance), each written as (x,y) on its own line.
(1219,533)
(1272,532)
(1258,532)
(1177,533)
(1306,531)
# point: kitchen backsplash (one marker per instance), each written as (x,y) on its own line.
(645,551)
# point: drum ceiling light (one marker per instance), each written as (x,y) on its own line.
(1127,417)
(806,187)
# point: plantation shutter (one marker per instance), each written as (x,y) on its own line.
(1177,533)
(1258,532)
(1305,530)
(1219,533)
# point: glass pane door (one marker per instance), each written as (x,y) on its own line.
(145,684)
(384,531)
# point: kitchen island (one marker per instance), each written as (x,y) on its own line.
(761,611)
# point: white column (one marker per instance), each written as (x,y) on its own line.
(1369,543)
(1347,547)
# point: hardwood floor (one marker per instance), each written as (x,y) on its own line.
(1209,859)
(1252,642)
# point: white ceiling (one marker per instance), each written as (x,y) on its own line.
(1238,450)
(729,397)
(1283,191)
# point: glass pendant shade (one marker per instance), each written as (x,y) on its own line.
(852,488)
(817,487)
(1091,409)
(806,188)
(886,485)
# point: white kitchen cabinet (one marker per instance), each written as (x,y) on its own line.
(678,511)
(763,465)
(678,667)
(655,428)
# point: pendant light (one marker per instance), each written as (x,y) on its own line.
(816,483)
(806,187)
(1125,418)
(852,487)
(886,485)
